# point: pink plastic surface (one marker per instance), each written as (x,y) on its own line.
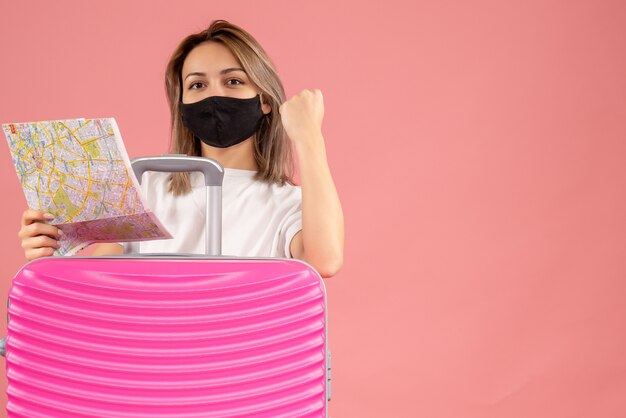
(93,337)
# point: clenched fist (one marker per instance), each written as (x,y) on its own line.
(302,116)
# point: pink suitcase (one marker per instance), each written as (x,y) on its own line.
(168,336)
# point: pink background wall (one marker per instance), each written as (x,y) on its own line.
(479,149)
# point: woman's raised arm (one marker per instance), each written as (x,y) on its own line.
(321,241)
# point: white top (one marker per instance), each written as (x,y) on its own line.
(258,219)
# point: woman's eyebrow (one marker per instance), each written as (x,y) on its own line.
(230,70)
(194,73)
(224,71)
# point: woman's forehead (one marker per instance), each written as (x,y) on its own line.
(209,57)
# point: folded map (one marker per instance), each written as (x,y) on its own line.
(78,170)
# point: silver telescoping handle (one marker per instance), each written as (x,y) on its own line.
(213,178)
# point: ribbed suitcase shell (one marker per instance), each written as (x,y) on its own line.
(167,337)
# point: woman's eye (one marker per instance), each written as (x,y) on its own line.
(234,82)
(196,85)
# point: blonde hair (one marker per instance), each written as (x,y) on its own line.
(272,149)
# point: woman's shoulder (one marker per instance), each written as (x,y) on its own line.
(152,178)
(155,182)
(244,184)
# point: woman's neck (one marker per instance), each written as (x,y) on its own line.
(240,156)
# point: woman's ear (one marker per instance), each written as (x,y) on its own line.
(265,106)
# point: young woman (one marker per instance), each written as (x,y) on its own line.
(228,103)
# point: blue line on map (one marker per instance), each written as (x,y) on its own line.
(102,207)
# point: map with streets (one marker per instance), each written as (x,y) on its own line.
(78,170)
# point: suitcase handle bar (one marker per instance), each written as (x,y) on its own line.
(213,178)
(212,170)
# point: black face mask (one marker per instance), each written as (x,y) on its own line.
(223,121)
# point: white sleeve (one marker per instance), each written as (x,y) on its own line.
(293,224)
(125,247)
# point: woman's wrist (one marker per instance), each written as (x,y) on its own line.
(310,147)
